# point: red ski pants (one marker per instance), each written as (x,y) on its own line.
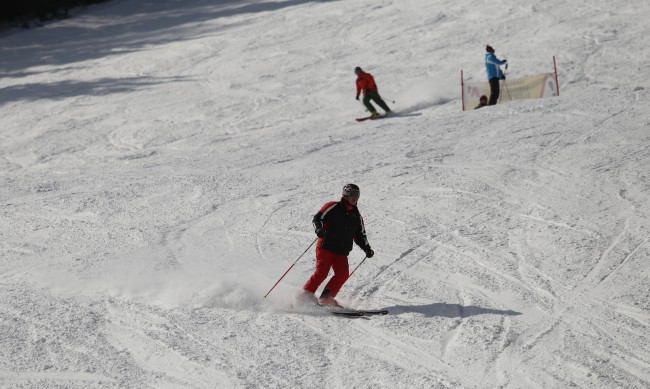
(325,260)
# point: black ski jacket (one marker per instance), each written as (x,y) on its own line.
(342,227)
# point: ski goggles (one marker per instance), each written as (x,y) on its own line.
(351,192)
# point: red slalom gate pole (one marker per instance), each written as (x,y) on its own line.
(557,84)
(285,273)
(462,90)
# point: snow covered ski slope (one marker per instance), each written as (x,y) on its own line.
(160,163)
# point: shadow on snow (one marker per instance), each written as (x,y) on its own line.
(449,310)
(70,88)
(140,26)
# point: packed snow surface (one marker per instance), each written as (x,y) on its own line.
(161,162)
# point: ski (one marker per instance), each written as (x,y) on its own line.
(341,311)
(370,118)
(359,312)
(373,312)
(348,313)
(351,312)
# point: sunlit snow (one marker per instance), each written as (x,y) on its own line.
(161,162)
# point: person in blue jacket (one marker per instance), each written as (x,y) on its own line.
(494,73)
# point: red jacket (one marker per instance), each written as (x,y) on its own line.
(366,83)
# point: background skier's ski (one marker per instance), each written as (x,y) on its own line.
(370,118)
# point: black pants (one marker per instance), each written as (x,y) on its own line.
(494,91)
(377,99)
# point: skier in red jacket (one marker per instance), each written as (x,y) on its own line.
(337,225)
(366,84)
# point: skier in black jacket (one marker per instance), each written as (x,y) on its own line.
(337,225)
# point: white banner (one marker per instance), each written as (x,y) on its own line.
(530,87)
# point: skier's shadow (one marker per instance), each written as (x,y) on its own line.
(407,114)
(448,310)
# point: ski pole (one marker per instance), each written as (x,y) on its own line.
(355,269)
(505,84)
(285,273)
(507,90)
(364,106)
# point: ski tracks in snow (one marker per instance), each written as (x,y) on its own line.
(162,352)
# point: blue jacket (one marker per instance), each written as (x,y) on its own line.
(492,66)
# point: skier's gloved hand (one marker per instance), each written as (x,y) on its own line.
(320,232)
(369,253)
(357,97)
(505,60)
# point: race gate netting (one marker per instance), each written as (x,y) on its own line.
(530,87)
